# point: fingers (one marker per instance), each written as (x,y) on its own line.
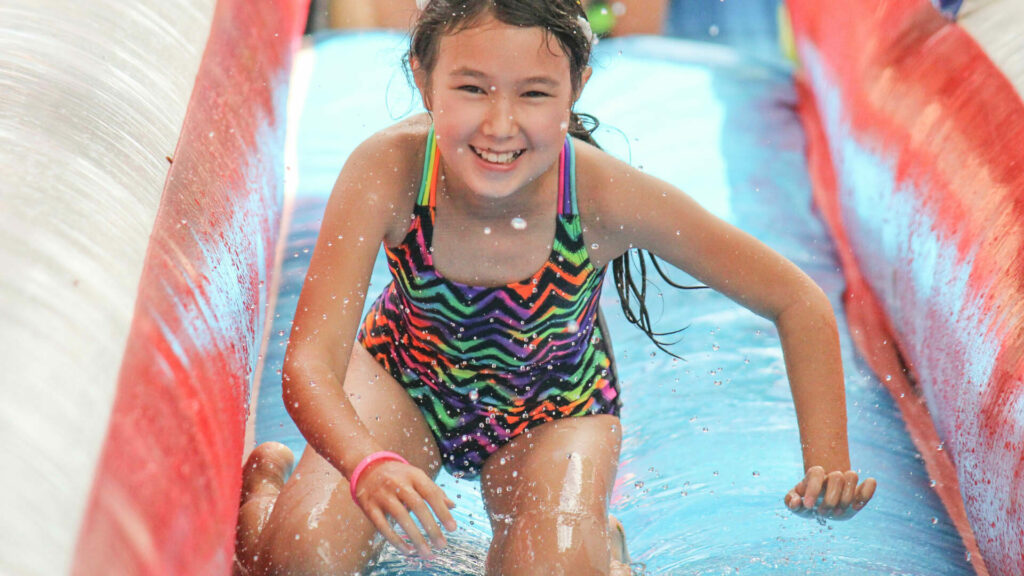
(439,502)
(384,527)
(794,499)
(418,506)
(840,495)
(833,491)
(864,493)
(813,480)
(849,490)
(398,511)
(397,492)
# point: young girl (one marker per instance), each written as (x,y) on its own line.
(486,354)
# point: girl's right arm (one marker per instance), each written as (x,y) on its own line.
(355,222)
(370,202)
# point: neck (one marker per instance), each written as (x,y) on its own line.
(533,199)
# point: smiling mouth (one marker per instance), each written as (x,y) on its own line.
(497,157)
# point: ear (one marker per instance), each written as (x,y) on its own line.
(419,77)
(583,83)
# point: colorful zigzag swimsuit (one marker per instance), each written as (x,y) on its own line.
(485,364)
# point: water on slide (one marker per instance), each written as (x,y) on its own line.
(711,443)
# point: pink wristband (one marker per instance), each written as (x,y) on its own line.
(382,455)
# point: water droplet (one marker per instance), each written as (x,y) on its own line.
(473,395)
(564,125)
(487,229)
(518,223)
(594,246)
(713,31)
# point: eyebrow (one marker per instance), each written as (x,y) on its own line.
(471,73)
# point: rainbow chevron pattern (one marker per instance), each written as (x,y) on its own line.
(484,364)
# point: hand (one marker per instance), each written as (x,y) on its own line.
(392,488)
(840,495)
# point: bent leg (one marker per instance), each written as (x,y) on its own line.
(263,476)
(315,527)
(547,493)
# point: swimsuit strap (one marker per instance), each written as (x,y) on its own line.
(428,184)
(567,179)
(566,176)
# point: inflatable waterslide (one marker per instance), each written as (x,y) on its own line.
(155,227)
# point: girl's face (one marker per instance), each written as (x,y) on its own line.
(500,96)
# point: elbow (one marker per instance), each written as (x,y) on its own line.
(309,371)
(291,390)
(295,378)
(809,303)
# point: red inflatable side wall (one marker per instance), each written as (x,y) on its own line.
(165,495)
(917,154)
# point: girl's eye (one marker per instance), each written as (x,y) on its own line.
(536,94)
(472,89)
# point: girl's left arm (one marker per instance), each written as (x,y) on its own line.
(644,212)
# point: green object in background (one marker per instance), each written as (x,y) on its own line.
(787,42)
(601,18)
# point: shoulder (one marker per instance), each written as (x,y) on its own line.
(382,175)
(394,152)
(612,196)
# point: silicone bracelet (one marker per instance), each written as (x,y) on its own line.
(382,455)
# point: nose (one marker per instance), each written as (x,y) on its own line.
(500,119)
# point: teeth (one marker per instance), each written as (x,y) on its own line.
(503,158)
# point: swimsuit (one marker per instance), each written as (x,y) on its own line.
(484,364)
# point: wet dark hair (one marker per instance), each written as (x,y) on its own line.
(561,20)
(558,17)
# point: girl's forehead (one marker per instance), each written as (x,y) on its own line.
(492,46)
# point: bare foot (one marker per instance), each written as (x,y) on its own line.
(262,479)
(620,553)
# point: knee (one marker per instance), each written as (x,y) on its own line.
(554,545)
